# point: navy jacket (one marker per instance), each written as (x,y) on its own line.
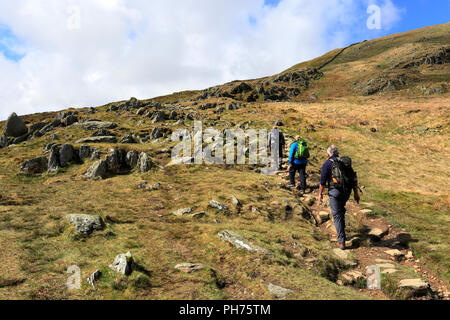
(325,177)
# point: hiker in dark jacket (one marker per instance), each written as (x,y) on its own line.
(297,165)
(277,137)
(338,199)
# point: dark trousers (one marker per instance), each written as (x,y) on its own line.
(301,168)
(337,205)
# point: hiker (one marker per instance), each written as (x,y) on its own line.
(298,159)
(341,179)
(273,136)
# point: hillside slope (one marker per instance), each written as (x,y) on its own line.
(383,102)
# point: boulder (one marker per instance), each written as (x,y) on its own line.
(236,203)
(36,127)
(85,224)
(123,264)
(113,160)
(84,152)
(241,243)
(105,139)
(132,158)
(418,286)
(94,277)
(156,133)
(15,127)
(69,120)
(189,267)
(144,162)
(34,166)
(3,141)
(97,170)
(217,205)
(278,292)
(159,116)
(66,154)
(53,160)
(182,212)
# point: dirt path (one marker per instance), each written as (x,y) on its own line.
(368,249)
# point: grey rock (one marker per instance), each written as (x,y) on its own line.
(96,154)
(66,154)
(182,212)
(69,120)
(278,292)
(241,243)
(217,205)
(417,285)
(190,267)
(132,158)
(53,160)
(113,160)
(15,127)
(103,133)
(106,139)
(36,127)
(144,162)
(34,166)
(156,133)
(95,125)
(97,170)
(84,152)
(123,264)
(94,277)
(235,201)
(159,116)
(3,141)
(85,224)
(127,139)
(173,115)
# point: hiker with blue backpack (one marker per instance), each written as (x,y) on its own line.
(298,160)
(338,174)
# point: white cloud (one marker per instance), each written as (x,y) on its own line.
(143,48)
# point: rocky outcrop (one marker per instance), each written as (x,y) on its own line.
(34,166)
(106,139)
(96,125)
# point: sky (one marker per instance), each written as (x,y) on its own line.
(56,54)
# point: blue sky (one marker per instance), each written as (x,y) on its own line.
(415,14)
(147,48)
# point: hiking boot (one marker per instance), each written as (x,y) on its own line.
(292,186)
(342,246)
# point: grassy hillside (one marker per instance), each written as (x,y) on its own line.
(397,136)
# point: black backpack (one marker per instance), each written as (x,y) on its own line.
(343,177)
